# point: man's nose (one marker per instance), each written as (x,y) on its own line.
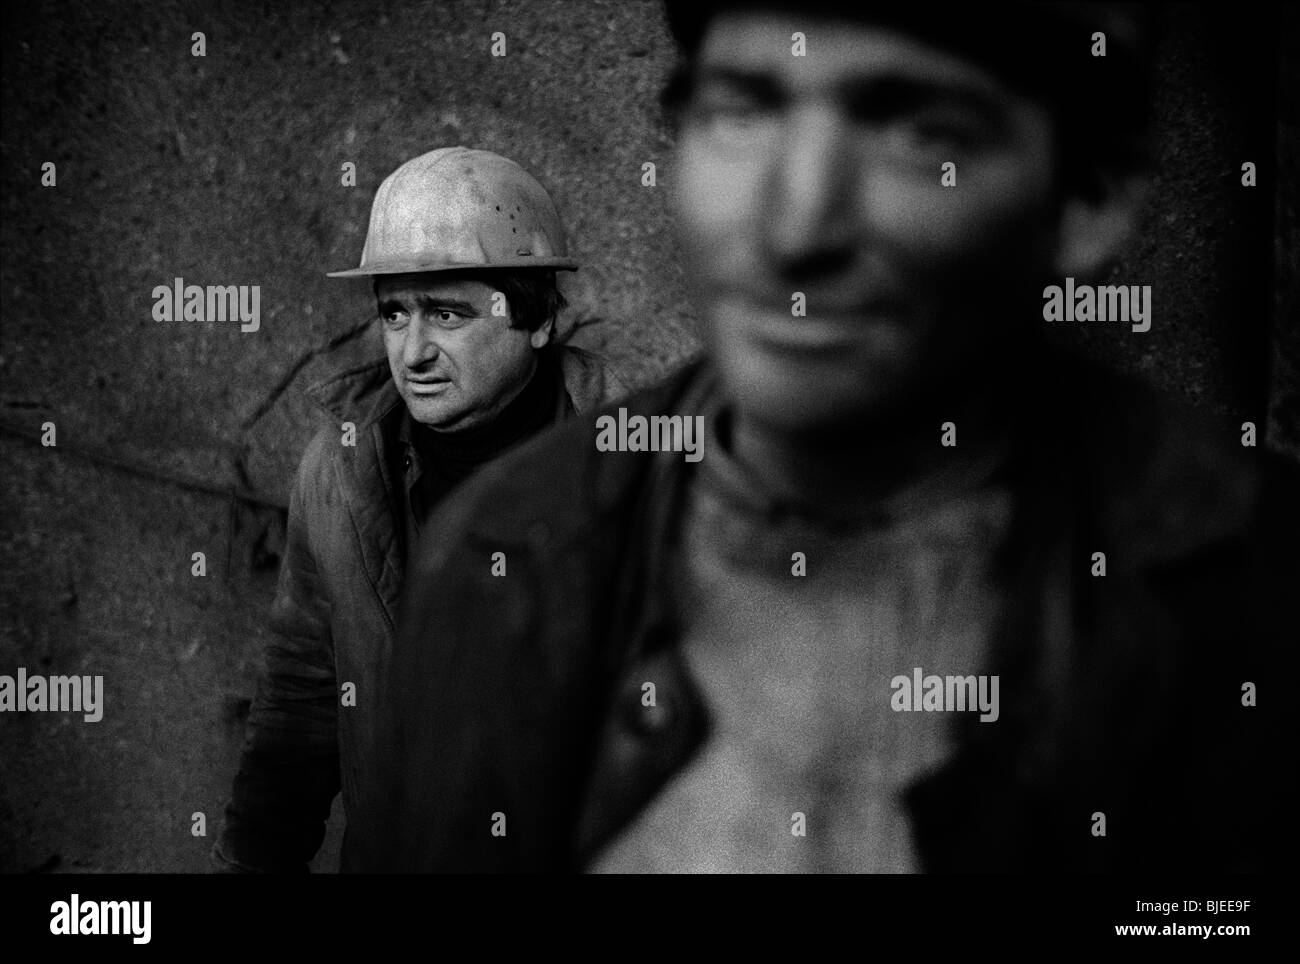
(809,199)
(420,347)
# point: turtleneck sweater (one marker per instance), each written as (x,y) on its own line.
(432,463)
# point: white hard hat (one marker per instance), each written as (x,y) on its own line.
(454,209)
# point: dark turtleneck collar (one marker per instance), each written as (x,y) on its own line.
(530,410)
(435,462)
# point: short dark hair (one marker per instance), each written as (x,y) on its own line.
(532,294)
(1102,115)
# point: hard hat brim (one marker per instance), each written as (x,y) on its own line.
(431,267)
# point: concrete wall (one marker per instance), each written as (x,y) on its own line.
(225,169)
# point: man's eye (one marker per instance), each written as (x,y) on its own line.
(395,319)
(446,317)
(732,119)
(930,136)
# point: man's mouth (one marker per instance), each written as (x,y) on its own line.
(426,385)
(825,326)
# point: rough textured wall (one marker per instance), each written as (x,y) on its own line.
(226,169)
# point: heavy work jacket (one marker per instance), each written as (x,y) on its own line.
(1125,695)
(334,620)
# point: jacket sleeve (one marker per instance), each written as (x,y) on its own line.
(289,771)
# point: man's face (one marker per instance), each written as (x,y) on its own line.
(454,362)
(821,175)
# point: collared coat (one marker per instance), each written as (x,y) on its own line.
(1131,695)
(310,728)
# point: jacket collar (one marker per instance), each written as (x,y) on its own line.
(366,395)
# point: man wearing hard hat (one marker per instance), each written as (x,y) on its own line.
(463,249)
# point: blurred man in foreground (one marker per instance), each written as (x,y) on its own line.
(934,598)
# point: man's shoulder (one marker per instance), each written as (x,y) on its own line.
(590,379)
(316,466)
(351,393)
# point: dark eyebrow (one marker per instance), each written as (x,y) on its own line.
(871,97)
(762,86)
(890,96)
(429,303)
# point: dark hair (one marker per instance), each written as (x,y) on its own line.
(532,294)
(1102,113)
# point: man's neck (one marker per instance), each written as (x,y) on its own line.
(880,465)
(527,411)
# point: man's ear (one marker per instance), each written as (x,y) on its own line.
(1093,232)
(541,336)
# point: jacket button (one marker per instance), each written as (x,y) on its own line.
(406,463)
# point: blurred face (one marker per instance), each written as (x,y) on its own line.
(820,176)
(454,362)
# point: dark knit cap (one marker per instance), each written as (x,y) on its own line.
(1042,49)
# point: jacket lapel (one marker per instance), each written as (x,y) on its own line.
(371,497)
(367,396)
